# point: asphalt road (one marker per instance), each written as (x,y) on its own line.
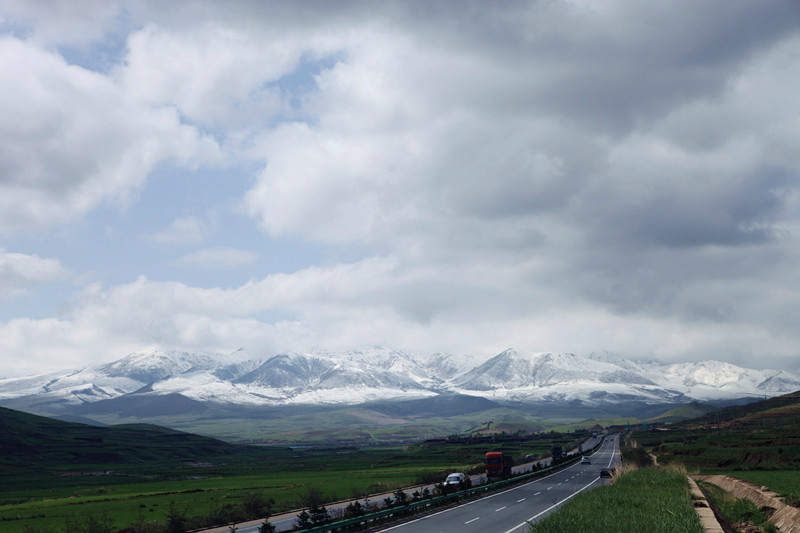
(510,511)
(285,522)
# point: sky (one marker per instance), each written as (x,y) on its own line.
(435,176)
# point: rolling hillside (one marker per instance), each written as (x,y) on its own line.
(779,411)
(31,442)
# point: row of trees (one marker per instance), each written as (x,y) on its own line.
(317,515)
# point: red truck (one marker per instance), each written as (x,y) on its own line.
(498,465)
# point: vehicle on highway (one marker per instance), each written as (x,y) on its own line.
(606,472)
(498,465)
(558,453)
(456,478)
(585,460)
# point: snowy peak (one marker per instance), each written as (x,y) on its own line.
(513,370)
(377,373)
(716,379)
(149,367)
(326,370)
(288,370)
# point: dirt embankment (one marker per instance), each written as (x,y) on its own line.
(785,517)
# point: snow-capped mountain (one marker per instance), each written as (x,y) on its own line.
(358,376)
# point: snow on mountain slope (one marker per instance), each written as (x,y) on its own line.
(74,387)
(148,367)
(124,376)
(377,373)
(512,370)
(322,369)
(709,380)
(602,377)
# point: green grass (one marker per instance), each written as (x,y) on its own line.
(340,426)
(736,510)
(785,482)
(711,450)
(655,500)
(134,474)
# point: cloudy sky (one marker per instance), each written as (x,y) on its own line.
(458,176)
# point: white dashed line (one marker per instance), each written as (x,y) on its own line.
(523,499)
(471,521)
(503,507)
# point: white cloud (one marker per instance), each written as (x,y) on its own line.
(19,271)
(184,230)
(546,175)
(73,22)
(375,301)
(217,258)
(71,139)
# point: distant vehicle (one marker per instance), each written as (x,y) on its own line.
(606,472)
(585,460)
(530,457)
(594,435)
(558,453)
(456,478)
(498,464)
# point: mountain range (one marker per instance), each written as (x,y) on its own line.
(325,378)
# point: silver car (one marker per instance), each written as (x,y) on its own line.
(456,478)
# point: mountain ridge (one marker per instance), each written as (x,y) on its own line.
(323,377)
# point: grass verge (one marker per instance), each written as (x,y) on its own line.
(655,500)
(785,482)
(740,512)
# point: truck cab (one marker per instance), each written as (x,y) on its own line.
(498,465)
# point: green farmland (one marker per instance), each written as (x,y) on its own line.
(51,471)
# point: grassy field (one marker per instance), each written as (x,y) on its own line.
(283,475)
(340,426)
(784,482)
(127,504)
(143,473)
(655,500)
(710,450)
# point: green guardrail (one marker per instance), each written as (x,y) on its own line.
(417,507)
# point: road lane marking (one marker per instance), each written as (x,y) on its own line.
(492,496)
(523,499)
(503,507)
(534,517)
(538,493)
(471,521)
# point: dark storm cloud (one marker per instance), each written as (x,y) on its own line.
(551,175)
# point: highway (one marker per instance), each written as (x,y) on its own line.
(504,512)
(510,511)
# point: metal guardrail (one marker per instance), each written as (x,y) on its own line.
(417,507)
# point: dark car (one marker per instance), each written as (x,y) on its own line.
(606,472)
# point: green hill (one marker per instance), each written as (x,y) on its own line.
(780,411)
(31,442)
(684,412)
(763,435)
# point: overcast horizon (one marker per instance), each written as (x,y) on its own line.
(461,177)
